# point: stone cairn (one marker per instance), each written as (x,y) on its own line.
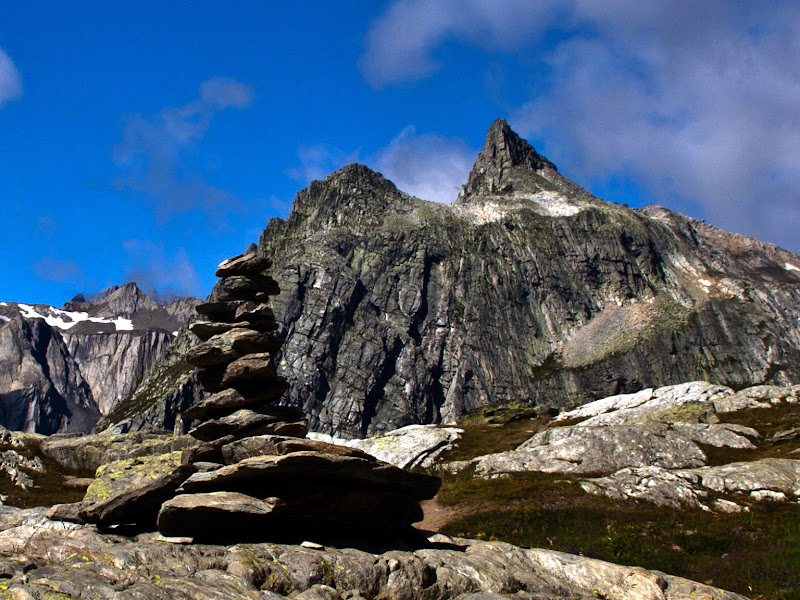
(254,477)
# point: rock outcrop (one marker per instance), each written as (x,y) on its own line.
(45,558)
(61,369)
(652,445)
(397,311)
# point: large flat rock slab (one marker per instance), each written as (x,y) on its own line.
(264,476)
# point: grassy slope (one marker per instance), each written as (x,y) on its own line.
(756,553)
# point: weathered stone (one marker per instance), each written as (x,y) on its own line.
(661,405)
(226,347)
(88,452)
(768,478)
(215,515)
(239,287)
(68,512)
(146,568)
(244,264)
(274,445)
(219,310)
(786,434)
(407,447)
(206,451)
(263,476)
(248,368)
(204,330)
(138,506)
(241,423)
(577,449)
(230,400)
(255,312)
(120,476)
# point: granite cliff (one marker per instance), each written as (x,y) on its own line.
(61,369)
(527,289)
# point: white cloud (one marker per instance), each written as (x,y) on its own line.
(699,101)
(427,166)
(158,156)
(401,44)
(10,82)
(153,268)
(317,161)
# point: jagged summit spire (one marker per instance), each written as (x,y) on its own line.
(504,157)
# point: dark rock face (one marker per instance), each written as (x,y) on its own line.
(60,370)
(527,289)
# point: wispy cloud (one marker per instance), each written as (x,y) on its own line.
(158,157)
(318,160)
(10,81)
(60,270)
(153,268)
(401,44)
(429,166)
(699,101)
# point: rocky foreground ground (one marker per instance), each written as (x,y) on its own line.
(45,559)
(666,446)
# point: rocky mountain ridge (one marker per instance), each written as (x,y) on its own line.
(528,289)
(61,369)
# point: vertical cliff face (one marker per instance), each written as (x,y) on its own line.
(528,288)
(61,369)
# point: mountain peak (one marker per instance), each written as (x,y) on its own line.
(504,157)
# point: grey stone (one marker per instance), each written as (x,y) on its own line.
(148,569)
(243,422)
(243,264)
(267,473)
(138,506)
(226,347)
(407,447)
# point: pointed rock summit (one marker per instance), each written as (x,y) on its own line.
(506,164)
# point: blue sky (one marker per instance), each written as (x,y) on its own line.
(148,141)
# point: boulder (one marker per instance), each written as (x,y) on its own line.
(226,347)
(662,405)
(207,329)
(219,310)
(256,312)
(274,445)
(264,476)
(243,422)
(88,452)
(259,366)
(138,506)
(215,515)
(240,287)
(577,449)
(227,517)
(229,400)
(767,478)
(120,476)
(243,264)
(407,447)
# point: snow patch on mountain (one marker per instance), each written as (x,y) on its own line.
(65,319)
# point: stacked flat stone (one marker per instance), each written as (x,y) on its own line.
(255,477)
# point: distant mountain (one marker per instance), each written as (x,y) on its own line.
(527,289)
(61,369)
